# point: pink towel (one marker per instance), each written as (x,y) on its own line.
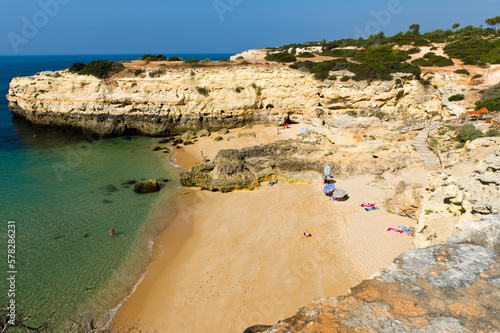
(396,230)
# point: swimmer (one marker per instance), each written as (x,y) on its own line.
(112,232)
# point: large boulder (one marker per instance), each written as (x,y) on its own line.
(203,133)
(148,186)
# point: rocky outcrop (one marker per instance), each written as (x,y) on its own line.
(149,186)
(301,159)
(451,287)
(181,99)
(234,169)
(452,201)
(405,201)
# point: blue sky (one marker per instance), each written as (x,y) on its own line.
(33,27)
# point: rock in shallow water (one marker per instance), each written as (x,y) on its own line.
(148,186)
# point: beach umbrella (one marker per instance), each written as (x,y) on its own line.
(286,124)
(304,129)
(326,177)
(329,188)
(338,193)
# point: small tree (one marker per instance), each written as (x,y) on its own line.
(455,26)
(415,29)
(494,22)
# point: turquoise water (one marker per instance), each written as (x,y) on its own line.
(65,190)
(64,199)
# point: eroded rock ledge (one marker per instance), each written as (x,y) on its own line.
(452,287)
(301,159)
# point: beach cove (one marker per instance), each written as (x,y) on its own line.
(228,261)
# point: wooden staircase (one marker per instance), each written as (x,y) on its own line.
(421,143)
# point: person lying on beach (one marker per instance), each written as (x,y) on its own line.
(306,234)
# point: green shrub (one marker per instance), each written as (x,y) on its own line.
(239,89)
(468,133)
(202,91)
(192,61)
(332,78)
(245,62)
(345,78)
(305,55)
(151,57)
(223,60)
(76,67)
(101,68)
(421,42)
(477,76)
(475,50)
(138,72)
(281,57)
(456,98)
(342,53)
(175,59)
(414,50)
(425,82)
(492,132)
(490,104)
(462,71)
(490,99)
(431,59)
(433,142)
(156,73)
(442,132)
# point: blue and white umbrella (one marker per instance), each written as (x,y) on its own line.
(338,193)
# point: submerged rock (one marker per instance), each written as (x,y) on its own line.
(109,188)
(148,186)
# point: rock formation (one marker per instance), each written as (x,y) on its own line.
(452,201)
(148,186)
(301,159)
(171,102)
(451,287)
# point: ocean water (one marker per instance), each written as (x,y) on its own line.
(65,190)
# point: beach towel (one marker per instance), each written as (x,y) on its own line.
(271,184)
(367,205)
(231,137)
(396,230)
(371,208)
(406,228)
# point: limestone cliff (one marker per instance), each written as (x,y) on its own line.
(452,200)
(451,287)
(179,98)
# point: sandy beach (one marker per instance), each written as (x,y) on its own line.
(233,260)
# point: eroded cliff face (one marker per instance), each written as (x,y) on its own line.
(183,99)
(450,200)
(451,287)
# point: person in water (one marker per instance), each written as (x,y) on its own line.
(112,232)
